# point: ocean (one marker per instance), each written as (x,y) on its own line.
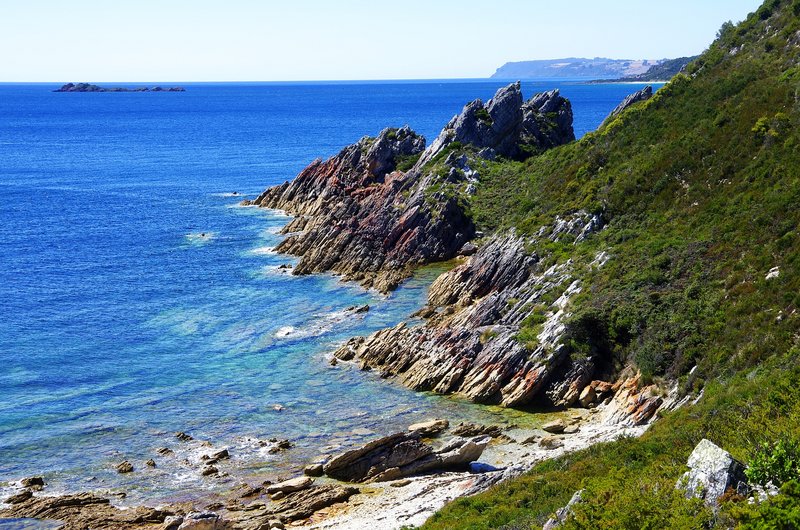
(137,299)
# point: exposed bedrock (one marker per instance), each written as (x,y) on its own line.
(642,95)
(471,342)
(384,205)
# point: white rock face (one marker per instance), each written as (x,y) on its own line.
(712,471)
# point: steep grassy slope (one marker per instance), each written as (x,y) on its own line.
(700,190)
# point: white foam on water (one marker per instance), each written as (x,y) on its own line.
(263,251)
(284,331)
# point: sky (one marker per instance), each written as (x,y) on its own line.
(265,40)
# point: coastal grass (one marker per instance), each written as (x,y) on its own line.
(699,188)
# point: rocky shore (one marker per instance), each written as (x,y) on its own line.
(396,481)
(385,205)
(372,213)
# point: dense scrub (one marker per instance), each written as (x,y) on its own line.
(700,190)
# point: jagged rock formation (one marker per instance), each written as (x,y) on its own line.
(360,215)
(469,343)
(401,455)
(507,126)
(642,95)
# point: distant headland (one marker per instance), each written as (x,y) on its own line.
(87,87)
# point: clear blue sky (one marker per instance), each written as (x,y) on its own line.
(264,40)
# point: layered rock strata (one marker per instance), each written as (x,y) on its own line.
(470,341)
(384,205)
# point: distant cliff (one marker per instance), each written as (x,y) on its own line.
(87,87)
(661,72)
(597,68)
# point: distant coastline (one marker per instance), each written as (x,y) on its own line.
(87,87)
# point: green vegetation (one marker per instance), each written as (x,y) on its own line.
(700,191)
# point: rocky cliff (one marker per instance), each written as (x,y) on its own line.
(384,205)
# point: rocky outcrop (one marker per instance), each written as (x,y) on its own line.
(712,472)
(470,342)
(384,205)
(401,455)
(293,507)
(508,126)
(642,95)
(84,510)
(563,513)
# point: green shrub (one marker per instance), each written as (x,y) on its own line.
(778,463)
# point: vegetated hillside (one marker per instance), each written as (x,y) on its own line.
(573,67)
(662,71)
(699,189)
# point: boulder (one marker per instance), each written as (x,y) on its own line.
(430,427)
(32,482)
(551,442)
(473,429)
(712,471)
(401,455)
(291,485)
(555,426)
(587,397)
(313,470)
(124,467)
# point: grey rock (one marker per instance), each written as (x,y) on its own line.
(555,426)
(401,455)
(642,95)
(313,470)
(712,472)
(291,485)
(430,427)
(507,126)
(563,513)
(204,521)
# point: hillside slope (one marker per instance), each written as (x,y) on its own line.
(698,191)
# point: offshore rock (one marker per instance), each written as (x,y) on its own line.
(377,209)
(401,455)
(642,95)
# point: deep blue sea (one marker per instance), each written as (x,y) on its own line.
(120,324)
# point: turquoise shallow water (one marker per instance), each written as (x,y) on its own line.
(122,324)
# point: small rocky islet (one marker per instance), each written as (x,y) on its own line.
(88,87)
